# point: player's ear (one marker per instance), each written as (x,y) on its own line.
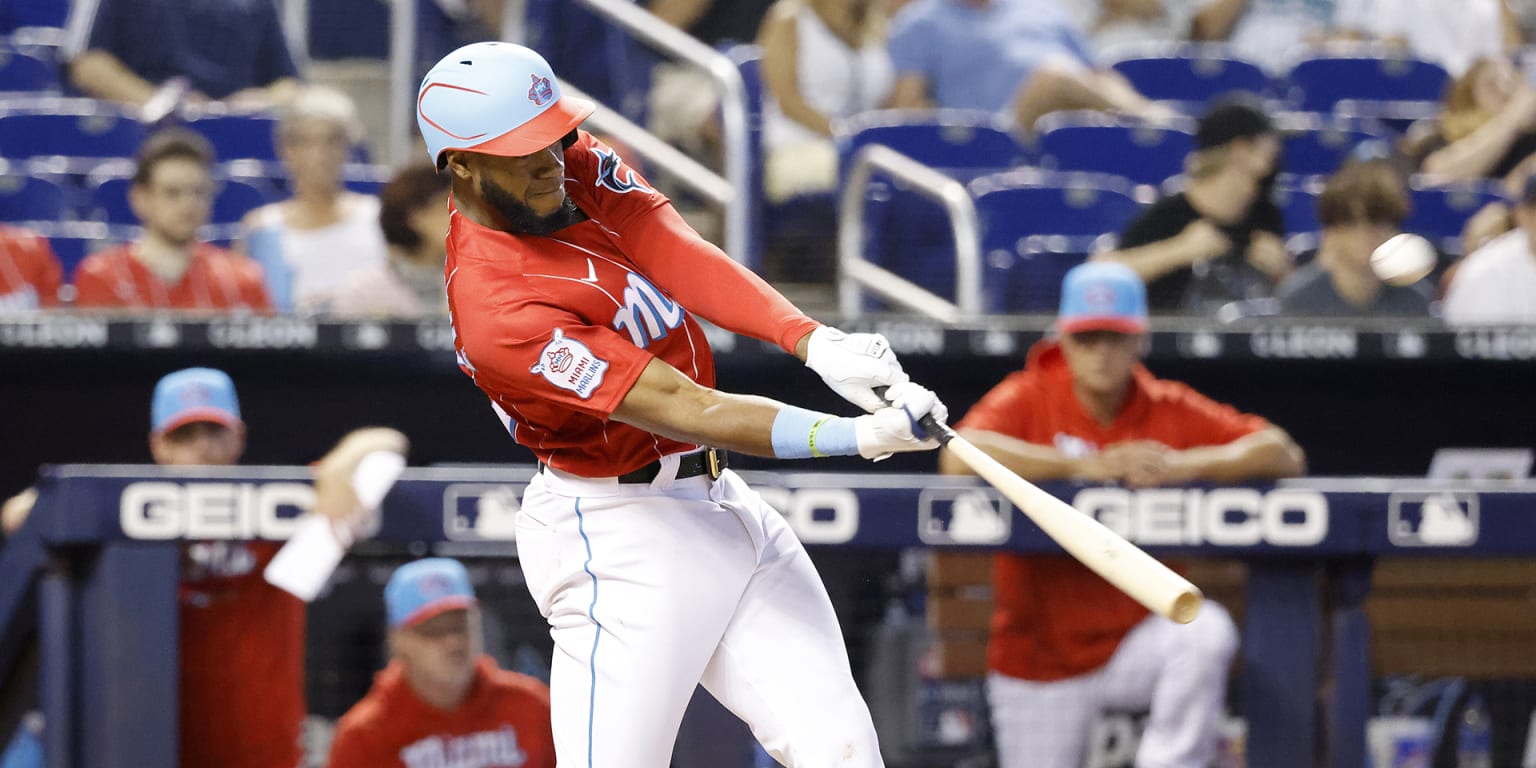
(459,164)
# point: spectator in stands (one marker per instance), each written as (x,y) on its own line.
(1486,129)
(1267,32)
(241,639)
(128,50)
(1065,644)
(168,267)
(1219,239)
(1361,207)
(1021,58)
(822,60)
(1122,25)
(310,243)
(1496,284)
(682,99)
(413,214)
(30,275)
(441,695)
(1453,35)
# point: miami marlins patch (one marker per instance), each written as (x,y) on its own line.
(541,91)
(610,167)
(569,364)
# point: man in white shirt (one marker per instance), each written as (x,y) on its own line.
(1496,284)
(1453,35)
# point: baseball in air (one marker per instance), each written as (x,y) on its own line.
(1403,260)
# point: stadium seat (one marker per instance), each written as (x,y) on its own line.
(1441,212)
(99,132)
(1037,225)
(19,14)
(26,72)
(35,198)
(1297,200)
(1191,74)
(1319,83)
(1317,145)
(238,137)
(72,241)
(236,197)
(1093,141)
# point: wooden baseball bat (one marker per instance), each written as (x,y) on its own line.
(1106,553)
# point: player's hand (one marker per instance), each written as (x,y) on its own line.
(853,364)
(1202,241)
(895,429)
(1266,253)
(335,493)
(1136,463)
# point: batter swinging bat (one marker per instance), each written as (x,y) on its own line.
(1120,562)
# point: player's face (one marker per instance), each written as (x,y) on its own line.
(200,443)
(517,186)
(175,201)
(442,650)
(1101,361)
(314,150)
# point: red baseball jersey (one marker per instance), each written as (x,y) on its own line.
(555,329)
(1052,617)
(216,279)
(30,274)
(504,723)
(242,660)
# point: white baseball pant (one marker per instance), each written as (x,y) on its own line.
(652,589)
(1177,671)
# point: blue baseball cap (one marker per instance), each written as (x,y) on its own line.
(423,589)
(1102,296)
(191,395)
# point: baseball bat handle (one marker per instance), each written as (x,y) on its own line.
(940,432)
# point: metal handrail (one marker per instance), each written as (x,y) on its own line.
(650,29)
(856,273)
(728,190)
(688,171)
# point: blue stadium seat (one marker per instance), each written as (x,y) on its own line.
(1441,212)
(35,198)
(17,14)
(1192,74)
(1297,200)
(238,137)
(101,132)
(26,72)
(1319,83)
(1318,146)
(1037,225)
(1093,141)
(236,197)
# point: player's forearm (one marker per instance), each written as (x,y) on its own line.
(102,75)
(1027,460)
(1260,456)
(1216,20)
(1473,156)
(664,402)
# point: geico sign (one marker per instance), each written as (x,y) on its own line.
(1224,516)
(213,510)
(817,515)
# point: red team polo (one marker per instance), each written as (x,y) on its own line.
(556,329)
(30,275)
(1052,617)
(216,280)
(503,723)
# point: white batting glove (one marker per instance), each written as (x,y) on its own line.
(853,364)
(895,429)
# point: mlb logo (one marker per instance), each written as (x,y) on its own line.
(481,512)
(969,516)
(1432,519)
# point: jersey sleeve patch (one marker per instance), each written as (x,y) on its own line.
(570,364)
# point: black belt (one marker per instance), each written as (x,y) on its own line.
(709,461)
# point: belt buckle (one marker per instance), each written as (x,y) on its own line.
(713,458)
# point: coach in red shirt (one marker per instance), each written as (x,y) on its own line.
(168,267)
(441,701)
(1065,644)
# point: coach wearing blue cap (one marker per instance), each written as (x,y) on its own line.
(1064,643)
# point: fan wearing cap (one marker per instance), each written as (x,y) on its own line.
(441,700)
(1219,239)
(240,640)
(1064,643)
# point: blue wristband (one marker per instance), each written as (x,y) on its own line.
(802,434)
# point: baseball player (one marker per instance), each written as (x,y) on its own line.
(1065,644)
(442,701)
(572,285)
(30,275)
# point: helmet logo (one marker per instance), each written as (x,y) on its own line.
(541,91)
